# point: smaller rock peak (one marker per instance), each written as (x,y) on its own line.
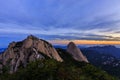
(71,44)
(76,52)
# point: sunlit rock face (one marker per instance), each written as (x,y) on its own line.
(76,52)
(30,49)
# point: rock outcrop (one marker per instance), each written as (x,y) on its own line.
(30,49)
(21,53)
(75,52)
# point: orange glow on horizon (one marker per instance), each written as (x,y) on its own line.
(89,42)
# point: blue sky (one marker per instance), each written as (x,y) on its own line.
(59,19)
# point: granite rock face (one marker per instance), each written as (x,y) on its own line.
(30,49)
(76,52)
(21,53)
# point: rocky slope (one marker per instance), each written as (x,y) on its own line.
(30,49)
(75,52)
(19,54)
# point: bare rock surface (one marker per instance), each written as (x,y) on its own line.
(30,49)
(76,52)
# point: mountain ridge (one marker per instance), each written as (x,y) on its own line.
(34,59)
(33,48)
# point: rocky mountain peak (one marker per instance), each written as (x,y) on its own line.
(76,52)
(30,49)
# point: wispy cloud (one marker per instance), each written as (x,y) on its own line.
(61,19)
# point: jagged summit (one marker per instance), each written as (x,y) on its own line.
(32,37)
(36,39)
(30,49)
(75,52)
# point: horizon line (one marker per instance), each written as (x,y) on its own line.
(85,42)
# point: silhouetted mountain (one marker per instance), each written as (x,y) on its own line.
(65,47)
(112,50)
(60,46)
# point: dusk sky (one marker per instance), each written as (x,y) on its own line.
(58,20)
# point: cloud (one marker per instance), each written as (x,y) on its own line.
(60,19)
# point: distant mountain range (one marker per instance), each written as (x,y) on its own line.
(65,47)
(111,50)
